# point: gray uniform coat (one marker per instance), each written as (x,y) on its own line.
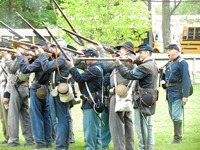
(18,107)
(120,123)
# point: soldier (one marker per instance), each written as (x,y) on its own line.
(177,79)
(58,106)
(39,105)
(91,86)
(121,125)
(146,74)
(105,131)
(3,107)
(18,104)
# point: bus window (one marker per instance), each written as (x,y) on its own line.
(30,38)
(6,41)
(185,34)
(190,33)
(48,38)
(190,40)
(16,38)
(197,34)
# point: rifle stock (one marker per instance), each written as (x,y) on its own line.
(14,51)
(34,30)
(73,29)
(11,30)
(86,39)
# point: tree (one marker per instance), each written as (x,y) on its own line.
(166,17)
(188,8)
(34,11)
(108,22)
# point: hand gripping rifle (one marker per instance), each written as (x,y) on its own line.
(34,30)
(11,30)
(54,39)
(86,39)
(73,29)
(14,51)
(161,73)
(138,62)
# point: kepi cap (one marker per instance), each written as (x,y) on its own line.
(90,52)
(145,46)
(173,46)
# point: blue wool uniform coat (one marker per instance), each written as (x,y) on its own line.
(36,67)
(94,82)
(181,71)
(50,66)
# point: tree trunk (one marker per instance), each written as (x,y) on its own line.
(150,32)
(166,17)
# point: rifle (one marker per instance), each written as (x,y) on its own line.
(86,39)
(138,62)
(14,51)
(34,30)
(161,73)
(80,40)
(45,49)
(54,39)
(11,30)
(31,45)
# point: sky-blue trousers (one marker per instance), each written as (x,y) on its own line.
(92,130)
(62,126)
(40,120)
(176,110)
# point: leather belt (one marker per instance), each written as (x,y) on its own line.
(172,84)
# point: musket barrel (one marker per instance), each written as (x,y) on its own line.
(11,30)
(93,42)
(54,39)
(73,51)
(73,29)
(28,44)
(14,51)
(34,30)
(105,59)
(89,40)
(7,50)
(138,62)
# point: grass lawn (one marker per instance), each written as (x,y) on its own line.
(163,127)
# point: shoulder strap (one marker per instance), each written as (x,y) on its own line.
(180,59)
(88,90)
(101,82)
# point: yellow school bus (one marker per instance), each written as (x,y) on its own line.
(157,41)
(190,42)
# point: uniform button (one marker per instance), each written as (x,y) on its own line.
(167,70)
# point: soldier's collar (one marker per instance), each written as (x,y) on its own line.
(176,58)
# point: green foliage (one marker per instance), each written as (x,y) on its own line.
(192,8)
(106,21)
(185,8)
(34,11)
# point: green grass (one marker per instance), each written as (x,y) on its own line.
(163,129)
